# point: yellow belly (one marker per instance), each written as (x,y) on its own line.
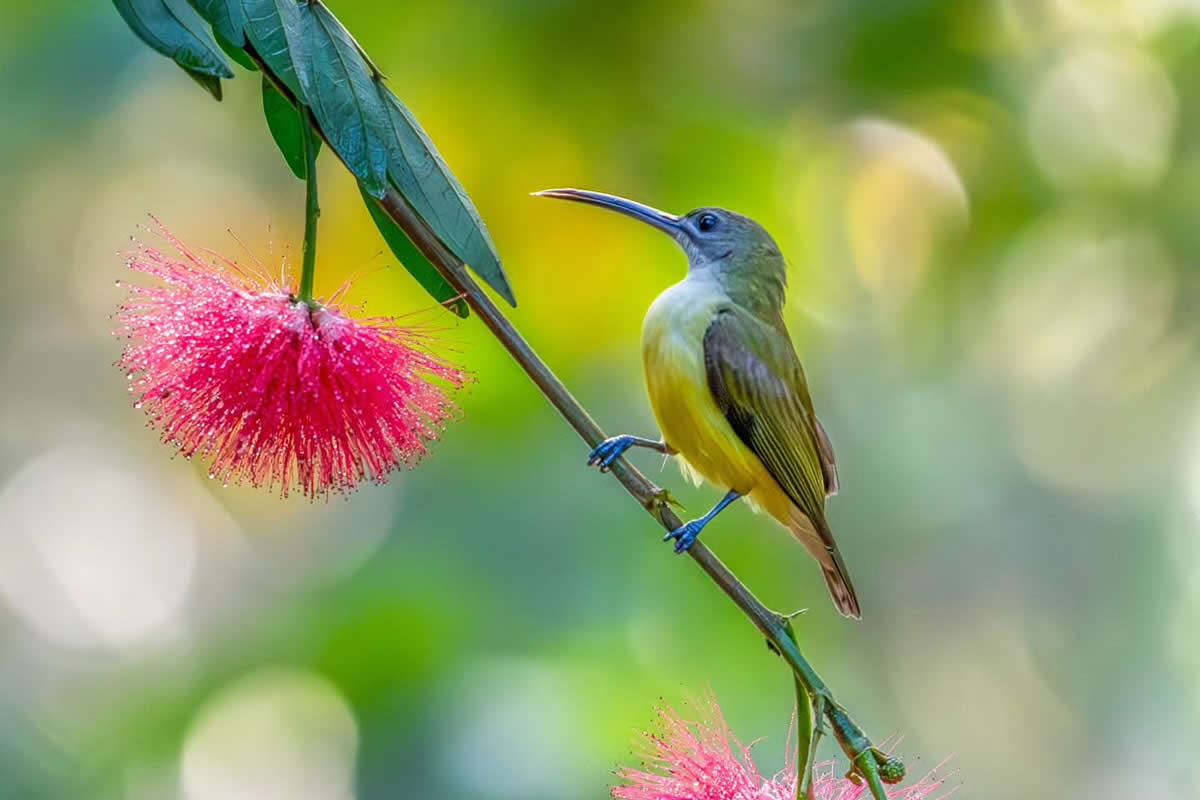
(687,414)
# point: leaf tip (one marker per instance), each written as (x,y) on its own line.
(494,276)
(375,187)
(505,291)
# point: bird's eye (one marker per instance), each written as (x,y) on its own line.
(706,222)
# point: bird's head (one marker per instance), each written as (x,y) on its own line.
(729,246)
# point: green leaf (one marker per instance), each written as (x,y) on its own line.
(343,99)
(411,258)
(227,18)
(173,28)
(208,82)
(422,176)
(275,30)
(235,52)
(283,120)
(306,51)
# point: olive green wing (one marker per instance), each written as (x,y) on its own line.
(824,445)
(758,383)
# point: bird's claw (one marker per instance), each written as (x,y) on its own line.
(608,451)
(685,535)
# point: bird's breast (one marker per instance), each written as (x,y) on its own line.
(677,384)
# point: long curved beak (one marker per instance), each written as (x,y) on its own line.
(668,223)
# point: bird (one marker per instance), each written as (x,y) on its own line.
(726,386)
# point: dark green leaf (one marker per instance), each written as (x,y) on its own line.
(173,28)
(343,99)
(284,122)
(226,17)
(411,258)
(308,52)
(235,52)
(425,180)
(211,85)
(275,30)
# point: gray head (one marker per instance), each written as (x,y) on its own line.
(731,247)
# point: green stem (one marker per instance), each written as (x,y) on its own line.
(806,782)
(311,209)
(809,721)
(869,770)
(806,738)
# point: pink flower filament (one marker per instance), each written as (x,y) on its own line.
(234,370)
(703,760)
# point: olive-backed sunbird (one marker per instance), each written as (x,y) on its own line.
(726,386)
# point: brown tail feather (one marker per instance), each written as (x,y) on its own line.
(840,588)
(821,545)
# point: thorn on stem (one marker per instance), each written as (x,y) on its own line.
(659,504)
(787,618)
(662,498)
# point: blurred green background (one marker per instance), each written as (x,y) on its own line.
(990,211)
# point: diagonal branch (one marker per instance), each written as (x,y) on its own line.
(862,754)
(865,759)
(868,763)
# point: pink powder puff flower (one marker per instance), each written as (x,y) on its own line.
(232,368)
(703,760)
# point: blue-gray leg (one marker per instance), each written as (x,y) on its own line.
(611,449)
(685,535)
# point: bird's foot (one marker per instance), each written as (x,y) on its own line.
(686,534)
(608,451)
